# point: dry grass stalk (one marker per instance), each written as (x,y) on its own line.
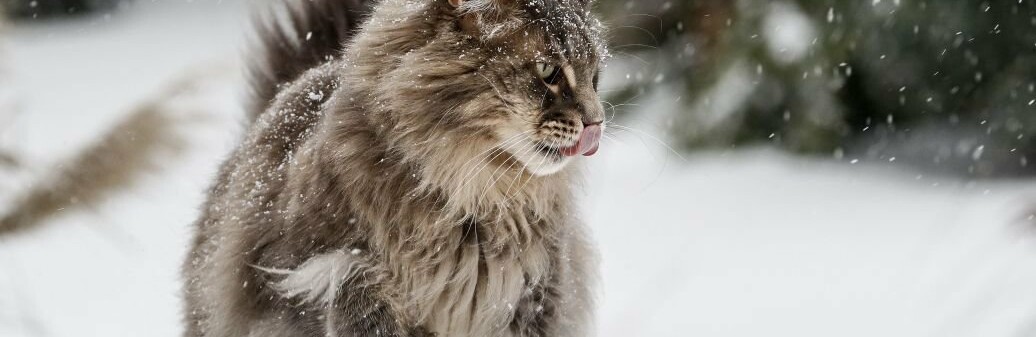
(122,156)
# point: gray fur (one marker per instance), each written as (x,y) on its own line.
(313,35)
(404,172)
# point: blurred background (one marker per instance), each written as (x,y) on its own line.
(780,168)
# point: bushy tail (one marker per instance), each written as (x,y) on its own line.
(312,33)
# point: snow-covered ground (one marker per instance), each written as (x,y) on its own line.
(745,243)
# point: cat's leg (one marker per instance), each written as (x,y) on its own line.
(534,316)
(562,305)
(553,309)
(359,313)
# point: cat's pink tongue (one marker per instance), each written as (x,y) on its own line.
(589,142)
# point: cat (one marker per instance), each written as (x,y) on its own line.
(409,172)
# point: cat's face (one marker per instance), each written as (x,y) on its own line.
(556,115)
(545,73)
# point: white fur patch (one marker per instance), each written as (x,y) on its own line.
(319,279)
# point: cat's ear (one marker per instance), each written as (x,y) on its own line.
(481,5)
(484,18)
(468,21)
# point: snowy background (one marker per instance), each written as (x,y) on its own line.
(747,242)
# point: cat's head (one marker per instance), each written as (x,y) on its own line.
(509,78)
(544,67)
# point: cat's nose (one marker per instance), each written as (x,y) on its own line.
(591,110)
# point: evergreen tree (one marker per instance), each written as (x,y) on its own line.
(948,83)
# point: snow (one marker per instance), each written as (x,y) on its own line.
(733,243)
(788,33)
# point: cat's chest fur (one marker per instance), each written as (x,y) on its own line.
(471,285)
(454,286)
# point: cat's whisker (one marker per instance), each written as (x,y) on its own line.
(614,139)
(510,185)
(441,118)
(666,145)
(631,99)
(470,172)
(526,148)
(648,32)
(623,142)
(499,151)
(494,177)
(634,57)
(656,17)
(553,145)
(625,105)
(473,170)
(526,168)
(487,152)
(636,45)
(476,171)
(531,147)
(615,134)
(612,108)
(543,159)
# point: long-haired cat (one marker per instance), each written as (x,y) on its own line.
(407,176)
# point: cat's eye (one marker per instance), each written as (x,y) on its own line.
(549,73)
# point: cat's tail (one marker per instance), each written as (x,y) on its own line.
(312,32)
